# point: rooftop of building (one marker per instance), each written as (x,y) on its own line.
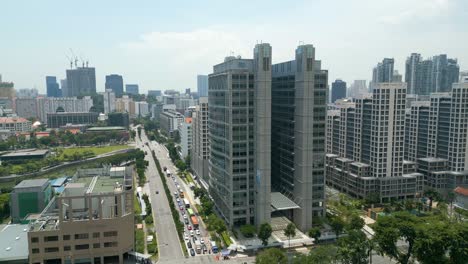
(109,128)
(461,191)
(13,243)
(25,153)
(13,120)
(31,183)
(432,159)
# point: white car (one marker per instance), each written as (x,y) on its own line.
(202,241)
(185,217)
(191,232)
(186,236)
(198,232)
(178,200)
(175,193)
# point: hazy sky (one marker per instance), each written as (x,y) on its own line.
(165,44)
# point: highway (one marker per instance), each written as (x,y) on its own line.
(168,241)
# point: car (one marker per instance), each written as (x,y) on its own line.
(186,236)
(197,232)
(186,221)
(189,245)
(157,192)
(164,168)
(173,177)
(181,208)
(202,241)
(194,239)
(192,252)
(178,186)
(176,194)
(183,213)
(190,228)
(191,232)
(185,216)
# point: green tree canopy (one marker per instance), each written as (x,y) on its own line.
(264,233)
(271,256)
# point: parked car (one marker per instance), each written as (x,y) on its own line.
(185,216)
(197,232)
(176,194)
(189,245)
(194,239)
(190,228)
(186,236)
(191,232)
(192,252)
(201,239)
(178,200)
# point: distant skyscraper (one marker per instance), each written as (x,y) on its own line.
(154,93)
(338,90)
(383,72)
(27,93)
(115,83)
(109,101)
(357,88)
(131,89)
(187,91)
(463,76)
(53,89)
(202,85)
(80,81)
(432,75)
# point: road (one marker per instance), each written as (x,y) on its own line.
(168,240)
(165,161)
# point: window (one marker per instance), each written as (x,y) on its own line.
(50,238)
(51,249)
(34,239)
(66,237)
(81,236)
(110,234)
(96,235)
(35,251)
(81,247)
(66,248)
(110,244)
(96,245)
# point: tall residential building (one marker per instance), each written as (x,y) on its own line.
(370,137)
(131,89)
(202,85)
(298,120)
(141,109)
(267,133)
(91,221)
(125,104)
(200,141)
(53,88)
(383,72)
(338,90)
(80,81)
(431,75)
(114,82)
(185,132)
(63,104)
(109,101)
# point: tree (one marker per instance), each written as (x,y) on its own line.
(290,231)
(354,248)
(390,229)
(264,233)
(248,230)
(372,198)
(315,233)
(337,224)
(355,222)
(319,255)
(270,256)
(432,243)
(432,195)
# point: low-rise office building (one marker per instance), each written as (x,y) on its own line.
(170,121)
(56,120)
(91,221)
(15,124)
(29,197)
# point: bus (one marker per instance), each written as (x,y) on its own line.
(194,222)
(190,212)
(187,204)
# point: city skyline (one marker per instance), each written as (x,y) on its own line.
(170,51)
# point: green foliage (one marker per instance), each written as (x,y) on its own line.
(319,255)
(290,231)
(271,256)
(4,206)
(226,238)
(248,230)
(354,248)
(214,223)
(264,233)
(149,219)
(140,241)
(315,233)
(355,222)
(337,224)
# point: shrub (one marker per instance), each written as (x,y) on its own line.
(248,230)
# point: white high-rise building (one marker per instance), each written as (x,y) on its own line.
(185,132)
(200,141)
(202,85)
(109,101)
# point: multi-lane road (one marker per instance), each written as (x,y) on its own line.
(168,240)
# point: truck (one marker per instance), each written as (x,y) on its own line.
(194,221)
(186,203)
(198,246)
(168,173)
(214,248)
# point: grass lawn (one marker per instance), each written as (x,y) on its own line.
(68,152)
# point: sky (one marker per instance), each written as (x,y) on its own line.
(165,44)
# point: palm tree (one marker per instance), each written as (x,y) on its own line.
(290,231)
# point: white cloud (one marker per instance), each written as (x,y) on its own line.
(402,11)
